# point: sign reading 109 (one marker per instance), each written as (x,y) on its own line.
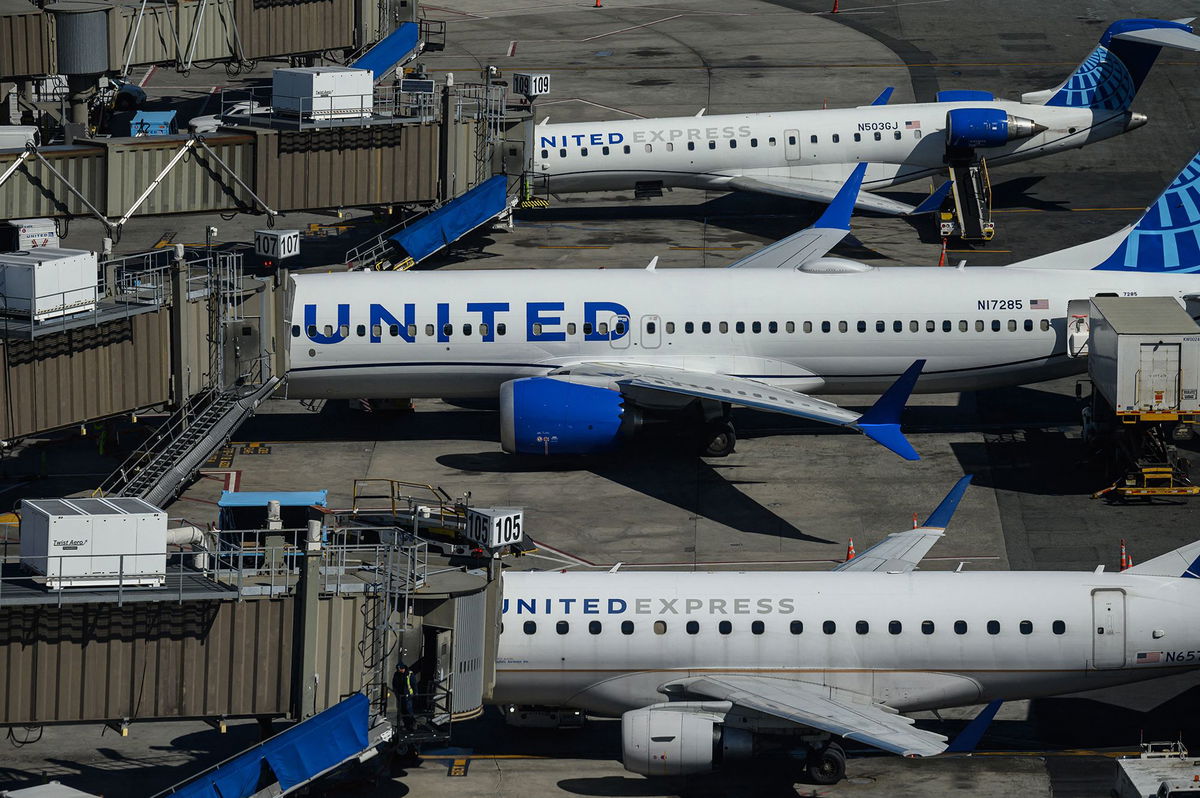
(494,526)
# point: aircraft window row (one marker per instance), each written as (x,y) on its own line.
(960,627)
(670,147)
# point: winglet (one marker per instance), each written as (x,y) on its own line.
(882,422)
(934,201)
(968,739)
(884,96)
(837,215)
(940,518)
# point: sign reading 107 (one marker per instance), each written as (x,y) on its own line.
(494,527)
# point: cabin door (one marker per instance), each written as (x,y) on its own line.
(791,145)
(1108,628)
(651,332)
(619,332)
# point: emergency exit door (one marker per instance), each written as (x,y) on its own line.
(791,145)
(1158,376)
(1108,628)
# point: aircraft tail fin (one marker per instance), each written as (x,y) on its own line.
(1166,239)
(1109,78)
(1183,562)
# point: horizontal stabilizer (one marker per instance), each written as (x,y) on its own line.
(1164,37)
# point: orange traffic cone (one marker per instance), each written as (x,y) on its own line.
(850,550)
(942,257)
(834,10)
(1124,556)
(597,5)
(914,520)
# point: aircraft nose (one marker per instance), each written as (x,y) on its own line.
(1136,120)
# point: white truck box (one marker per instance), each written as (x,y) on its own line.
(1144,357)
(47,282)
(28,234)
(94,542)
(330,92)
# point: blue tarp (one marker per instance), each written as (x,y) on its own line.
(390,51)
(153,123)
(286,498)
(295,755)
(453,220)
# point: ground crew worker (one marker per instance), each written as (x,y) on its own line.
(402,687)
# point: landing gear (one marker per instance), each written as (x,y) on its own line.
(826,765)
(719,439)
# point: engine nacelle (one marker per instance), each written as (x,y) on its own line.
(541,415)
(675,740)
(968,128)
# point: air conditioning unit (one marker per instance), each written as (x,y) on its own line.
(315,93)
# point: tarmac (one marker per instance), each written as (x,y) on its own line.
(793,494)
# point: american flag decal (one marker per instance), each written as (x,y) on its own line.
(1039,304)
(914,125)
(1148,657)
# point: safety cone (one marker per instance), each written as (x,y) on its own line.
(914,520)
(834,10)
(1124,556)
(850,550)
(942,257)
(597,5)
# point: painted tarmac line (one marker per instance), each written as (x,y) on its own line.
(631,27)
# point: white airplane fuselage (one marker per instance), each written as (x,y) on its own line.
(921,640)
(816,333)
(900,142)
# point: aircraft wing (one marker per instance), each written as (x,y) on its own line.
(901,552)
(881,423)
(847,714)
(822,191)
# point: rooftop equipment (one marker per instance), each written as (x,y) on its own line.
(47,282)
(331,92)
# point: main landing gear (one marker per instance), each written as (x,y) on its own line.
(826,764)
(719,439)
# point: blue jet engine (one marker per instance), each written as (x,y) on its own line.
(542,415)
(968,128)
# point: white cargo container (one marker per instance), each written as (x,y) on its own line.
(26,234)
(331,92)
(1144,357)
(94,542)
(1163,770)
(47,282)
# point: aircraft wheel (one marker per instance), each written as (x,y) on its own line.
(826,765)
(719,439)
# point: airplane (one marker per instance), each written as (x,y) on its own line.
(584,361)
(807,154)
(706,669)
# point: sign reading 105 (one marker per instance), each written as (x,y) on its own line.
(494,527)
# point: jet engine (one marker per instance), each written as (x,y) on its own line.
(968,128)
(542,415)
(678,739)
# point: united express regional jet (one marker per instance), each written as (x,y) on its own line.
(807,154)
(583,360)
(706,669)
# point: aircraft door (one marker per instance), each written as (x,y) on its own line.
(1108,629)
(619,332)
(651,332)
(791,145)
(1158,377)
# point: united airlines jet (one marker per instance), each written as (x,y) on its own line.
(583,360)
(807,154)
(705,669)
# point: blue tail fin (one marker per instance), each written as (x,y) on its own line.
(1111,75)
(1165,239)
(881,423)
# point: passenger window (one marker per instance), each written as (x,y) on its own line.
(898,326)
(602,328)
(753,142)
(660,627)
(791,139)
(619,328)
(537,328)
(626,627)
(771,141)
(712,145)
(361,330)
(429,330)
(946,326)
(651,327)
(733,144)
(914,326)
(691,145)
(693,627)
(570,328)
(587,328)
(723,326)
(328,330)
(296,331)
(894,627)
(879,137)
(583,151)
(1026,627)
(862,326)
(530,627)
(826,327)
(562,153)
(960,627)
(812,139)
(1012,325)
(1045,325)
(706,327)
(829,627)
(724,627)
(979,325)
(756,327)
(796,627)
(344,330)
(594,627)
(626,149)
(843,326)
(501,329)
(880,327)
(562,627)
(689,327)
(757,627)
(740,327)
(995,325)
(649,148)
(862,627)
(670,146)
(604,150)
(836,138)
(772,326)
(545,154)
(962,325)
(926,627)
(466,329)
(993,627)
(1058,627)
(916,134)
(790,327)
(896,135)
(930,326)
(670,328)
(412,331)
(1028,325)
(448,329)
(858,136)
(376,330)
(808,326)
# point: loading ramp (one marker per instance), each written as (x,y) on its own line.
(453,220)
(393,51)
(972,192)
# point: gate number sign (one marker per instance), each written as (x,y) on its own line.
(278,244)
(494,527)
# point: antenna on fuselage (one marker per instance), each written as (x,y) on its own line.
(653,262)
(614,569)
